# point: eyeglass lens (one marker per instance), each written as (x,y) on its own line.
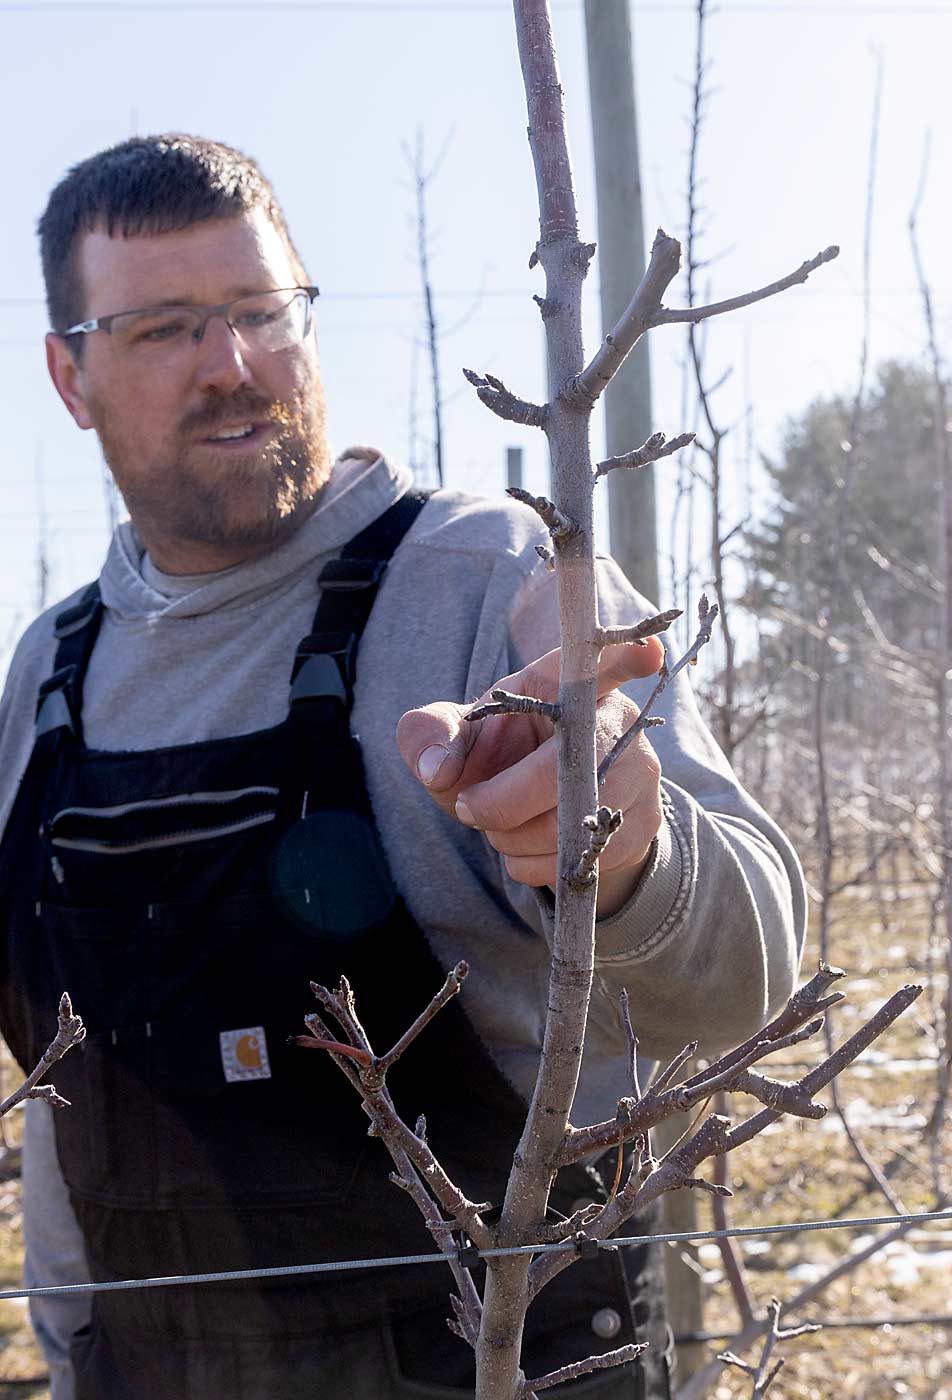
(264,322)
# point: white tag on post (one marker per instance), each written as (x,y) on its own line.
(244,1054)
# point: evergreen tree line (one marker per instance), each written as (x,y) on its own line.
(843,579)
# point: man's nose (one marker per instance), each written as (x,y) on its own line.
(220,356)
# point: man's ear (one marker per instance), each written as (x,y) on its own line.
(67,378)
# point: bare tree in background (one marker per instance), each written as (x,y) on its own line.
(943,667)
(423,176)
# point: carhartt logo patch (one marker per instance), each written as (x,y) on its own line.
(244,1054)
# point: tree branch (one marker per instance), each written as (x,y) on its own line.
(505,703)
(660,1099)
(467,1305)
(834,1064)
(785,1098)
(602,1362)
(449,989)
(759,1374)
(603,827)
(397,1136)
(706,615)
(663,265)
(632,1040)
(70,1031)
(494,394)
(559,526)
(666,316)
(646,311)
(656,447)
(648,1180)
(648,627)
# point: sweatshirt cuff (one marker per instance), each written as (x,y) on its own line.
(657,907)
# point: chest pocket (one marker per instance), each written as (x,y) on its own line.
(130,828)
(119,849)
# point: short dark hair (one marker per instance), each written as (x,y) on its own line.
(146,185)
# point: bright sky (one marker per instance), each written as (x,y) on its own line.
(325,94)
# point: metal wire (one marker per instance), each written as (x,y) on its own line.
(401,1260)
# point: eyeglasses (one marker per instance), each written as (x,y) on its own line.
(157,335)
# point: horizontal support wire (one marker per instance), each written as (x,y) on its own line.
(400,1260)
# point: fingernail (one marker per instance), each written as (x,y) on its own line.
(463,814)
(430,762)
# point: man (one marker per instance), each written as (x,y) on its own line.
(188,839)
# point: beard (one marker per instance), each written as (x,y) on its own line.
(247,502)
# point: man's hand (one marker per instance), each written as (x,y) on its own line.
(498,774)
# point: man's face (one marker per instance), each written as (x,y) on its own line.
(200,501)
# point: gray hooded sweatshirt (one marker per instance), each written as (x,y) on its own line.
(709,943)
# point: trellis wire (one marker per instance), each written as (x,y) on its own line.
(401,1260)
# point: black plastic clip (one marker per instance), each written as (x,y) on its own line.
(350,575)
(585,1247)
(55,702)
(467,1254)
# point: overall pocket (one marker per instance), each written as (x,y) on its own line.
(241,1116)
(130,851)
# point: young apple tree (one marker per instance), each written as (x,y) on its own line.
(492,1323)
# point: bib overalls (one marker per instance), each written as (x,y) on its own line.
(186,897)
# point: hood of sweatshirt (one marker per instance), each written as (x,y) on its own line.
(361,486)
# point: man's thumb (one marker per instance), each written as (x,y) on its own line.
(433,742)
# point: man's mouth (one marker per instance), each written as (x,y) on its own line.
(244,433)
(227,433)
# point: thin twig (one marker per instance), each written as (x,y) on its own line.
(728,1248)
(652,450)
(602,827)
(632,1040)
(494,394)
(70,1031)
(313,1042)
(558,525)
(649,627)
(720,1076)
(601,1362)
(449,989)
(667,316)
(759,1374)
(834,1064)
(505,703)
(370,1082)
(467,1306)
(706,616)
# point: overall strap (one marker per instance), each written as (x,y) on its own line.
(60,699)
(325,661)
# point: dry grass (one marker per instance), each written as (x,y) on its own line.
(808,1171)
(21,1361)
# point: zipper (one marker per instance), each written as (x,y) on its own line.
(131,827)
